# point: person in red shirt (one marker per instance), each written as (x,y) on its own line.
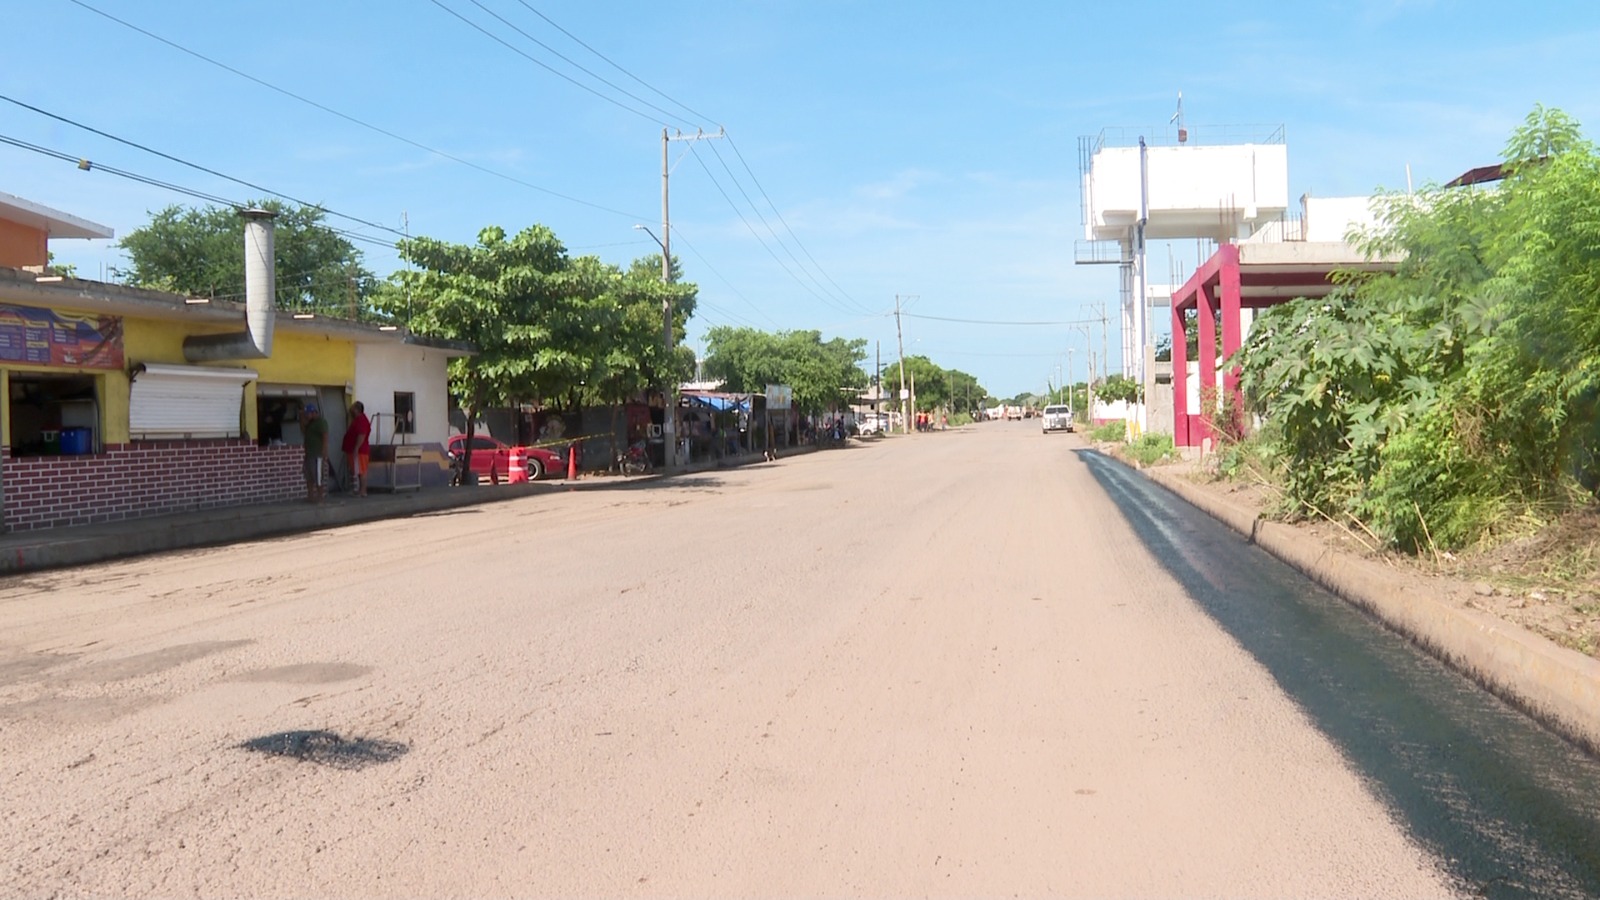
(357,453)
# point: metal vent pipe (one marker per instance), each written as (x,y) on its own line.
(260,287)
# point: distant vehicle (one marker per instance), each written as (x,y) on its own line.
(1013,414)
(870,425)
(490,454)
(1057,417)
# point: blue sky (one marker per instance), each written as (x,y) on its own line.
(925,150)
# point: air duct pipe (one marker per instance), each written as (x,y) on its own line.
(260,286)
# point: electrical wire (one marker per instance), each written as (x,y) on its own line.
(831,303)
(352,119)
(671,116)
(779,214)
(196,166)
(736,291)
(763,219)
(87,166)
(579,42)
(733,178)
(996,322)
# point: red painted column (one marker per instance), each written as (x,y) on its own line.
(1232,334)
(1207,322)
(1180,376)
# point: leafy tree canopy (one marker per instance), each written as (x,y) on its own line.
(546,327)
(200,252)
(824,374)
(1462,390)
(936,386)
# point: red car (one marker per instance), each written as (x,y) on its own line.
(489,455)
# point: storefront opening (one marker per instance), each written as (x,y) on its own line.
(52,414)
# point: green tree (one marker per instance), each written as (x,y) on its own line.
(1118,387)
(1460,390)
(936,386)
(547,328)
(200,252)
(824,374)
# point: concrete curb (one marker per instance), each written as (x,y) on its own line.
(1556,686)
(60,548)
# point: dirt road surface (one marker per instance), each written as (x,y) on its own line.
(935,665)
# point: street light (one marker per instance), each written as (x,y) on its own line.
(669,385)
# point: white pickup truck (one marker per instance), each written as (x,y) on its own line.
(1057,417)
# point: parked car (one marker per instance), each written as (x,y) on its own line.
(870,425)
(491,454)
(1057,417)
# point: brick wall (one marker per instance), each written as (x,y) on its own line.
(144,478)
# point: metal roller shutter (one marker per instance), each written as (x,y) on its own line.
(186,401)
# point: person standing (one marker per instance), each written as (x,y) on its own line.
(314,428)
(357,452)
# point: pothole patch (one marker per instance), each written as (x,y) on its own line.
(326,748)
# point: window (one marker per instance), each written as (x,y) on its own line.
(53,414)
(405,412)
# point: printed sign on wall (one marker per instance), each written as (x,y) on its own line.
(45,337)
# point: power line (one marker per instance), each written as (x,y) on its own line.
(609,62)
(86,165)
(786,227)
(536,61)
(352,119)
(197,166)
(831,303)
(736,291)
(763,219)
(995,322)
(569,62)
(731,175)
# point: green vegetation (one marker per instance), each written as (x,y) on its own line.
(1111,431)
(198,252)
(824,374)
(937,387)
(1150,449)
(1118,387)
(1457,398)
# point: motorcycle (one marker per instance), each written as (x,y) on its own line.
(635,460)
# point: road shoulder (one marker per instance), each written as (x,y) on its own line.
(1557,686)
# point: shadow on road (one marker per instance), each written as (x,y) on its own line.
(1509,808)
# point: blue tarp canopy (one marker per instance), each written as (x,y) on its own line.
(719,402)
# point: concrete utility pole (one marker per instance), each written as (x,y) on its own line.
(899,338)
(669,387)
(877,380)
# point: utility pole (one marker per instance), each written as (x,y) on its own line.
(1069,379)
(669,386)
(877,379)
(900,340)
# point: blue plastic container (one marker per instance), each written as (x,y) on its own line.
(77,441)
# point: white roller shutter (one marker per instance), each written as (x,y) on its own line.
(186,401)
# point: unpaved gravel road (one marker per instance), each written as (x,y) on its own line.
(932,665)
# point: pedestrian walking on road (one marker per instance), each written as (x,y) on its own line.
(357,452)
(315,429)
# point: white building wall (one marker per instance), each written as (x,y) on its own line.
(384,369)
(1192,190)
(1330,219)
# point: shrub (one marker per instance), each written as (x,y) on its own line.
(1150,449)
(1111,431)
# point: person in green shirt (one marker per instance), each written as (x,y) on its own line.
(314,428)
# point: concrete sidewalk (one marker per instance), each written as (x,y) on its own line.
(54,548)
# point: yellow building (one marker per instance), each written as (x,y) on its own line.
(118,402)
